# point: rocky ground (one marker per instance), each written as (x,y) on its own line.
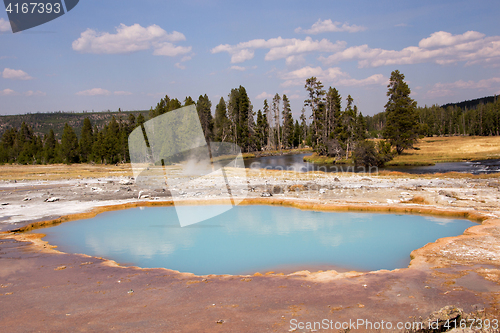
(24,201)
(82,292)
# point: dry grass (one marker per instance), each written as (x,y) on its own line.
(450,149)
(62,171)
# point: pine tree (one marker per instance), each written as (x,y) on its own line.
(189,101)
(261,130)
(86,141)
(173,104)
(161,107)
(98,150)
(269,120)
(316,102)
(204,108)
(49,148)
(333,113)
(140,120)
(275,110)
(238,110)
(8,142)
(360,125)
(244,111)
(401,125)
(348,134)
(131,125)
(288,128)
(297,136)
(303,126)
(112,141)
(233,113)
(69,145)
(221,122)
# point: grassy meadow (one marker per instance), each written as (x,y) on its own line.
(429,151)
(449,149)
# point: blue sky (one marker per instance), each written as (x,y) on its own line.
(128,54)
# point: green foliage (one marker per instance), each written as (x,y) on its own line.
(333,115)
(275,127)
(204,108)
(261,131)
(297,134)
(86,141)
(368,154)
(288,126)
(166,104)
(221,122)
(316,102)
(189,101)
(50,148)
(240,115)
(69,146)
(333,132)
(42,123)
(400,113)
(266,112)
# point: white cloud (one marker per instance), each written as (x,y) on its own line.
(441,48)
(4,25)
(179,65)
(15,74)
(330,76)
(298,76)
(122,93)
(279,48)
(35,93)
(297,46)
(449,89)
(264,95)
(29,93)
(94,92)
(170,50)
(238,68)
(7,92)
(295,60)
(242,55)
(131,39)
(377,79)
(443,38)
(329,26)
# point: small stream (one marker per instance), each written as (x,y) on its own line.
(296,163)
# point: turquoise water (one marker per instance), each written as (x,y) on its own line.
(249,239)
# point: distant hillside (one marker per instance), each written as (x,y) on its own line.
(43,122)
(472,104)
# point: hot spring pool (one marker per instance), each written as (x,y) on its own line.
(249,239)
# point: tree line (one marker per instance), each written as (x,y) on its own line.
(481,120)
(328,128)
(235,120)
(106,145)
(324,124)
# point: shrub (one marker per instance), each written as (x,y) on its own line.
(368,154)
